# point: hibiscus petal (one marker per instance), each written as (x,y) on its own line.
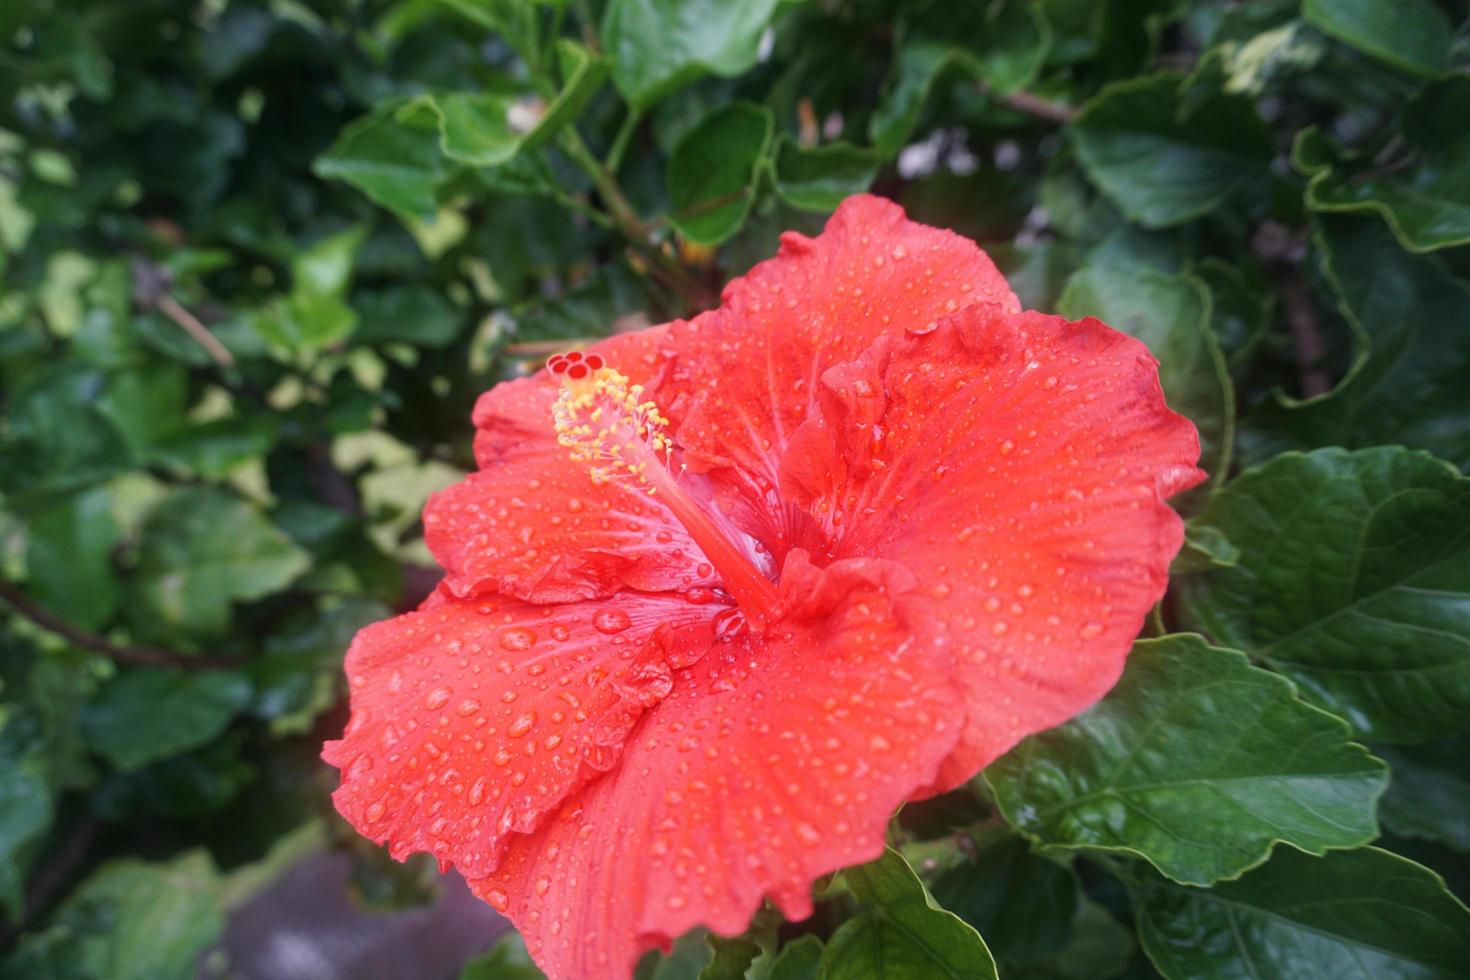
(777,758)
(752,366)
(472,720)
(532,524)
(1018,465)
(539,529)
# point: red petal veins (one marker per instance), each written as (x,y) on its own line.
(1018,465)
(752,365)
(777,758)
(537,528)
(471,721)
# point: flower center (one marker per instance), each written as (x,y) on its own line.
(606,423)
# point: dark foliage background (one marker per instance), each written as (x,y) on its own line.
(258,257)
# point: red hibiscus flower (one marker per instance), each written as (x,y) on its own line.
(726,592)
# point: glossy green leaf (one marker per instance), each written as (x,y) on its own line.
(129,920)
(818,178)
(659,45)
(25,813)
(1242,302)
(398,164)
(1161,168)
(317,312)
(218,447)
(799,959)
(1197,762)
(713,172)
(1406,384)
(1425,198)
(901,934)
(413,314)
(69,557)
(731,957)
(1412,35)
(476,127)
(1205,547)
(1171,314)
(203,549)
(146,404)
(1023,902)
(1353,577)
(506,960)
(1351,915)
(1430,788)
(149,713)
(1003,45)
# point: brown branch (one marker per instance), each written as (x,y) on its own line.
(1033,105)
(196,329)
(1280,251)
(61,865)
(87,640)
(1306,332)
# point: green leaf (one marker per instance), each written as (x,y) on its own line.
(1025,903)
(1406,384)
(482,129)
(1161,167)
(203,549)
(1412,35)
(397,162)
(1353,575)
(216,448)
(901,934)
(506,960)
(1205,547)
(149,713)
(412,314)
(1428,204)
(817,179)
(146,404)
(317,314)
(1351,915)
(179,787)
(732,957)
(799,959)
(69,558)
(658,46)
(1241,305)
(1003,45)
(1197,762)
(1171,314)
(1430,787)
(25,814)
(130,920)
(714,169)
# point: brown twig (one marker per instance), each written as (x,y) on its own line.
(1306,333)
(61,864)
(196,329)
(87,640)
(1033,105)
(1280,251)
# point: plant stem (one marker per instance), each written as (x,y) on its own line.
(620,142)
(87,640)
(1033,105)
(631,226)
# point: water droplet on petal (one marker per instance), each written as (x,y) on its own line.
(517,639)
(437,698)
(522,725)
(610,621)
